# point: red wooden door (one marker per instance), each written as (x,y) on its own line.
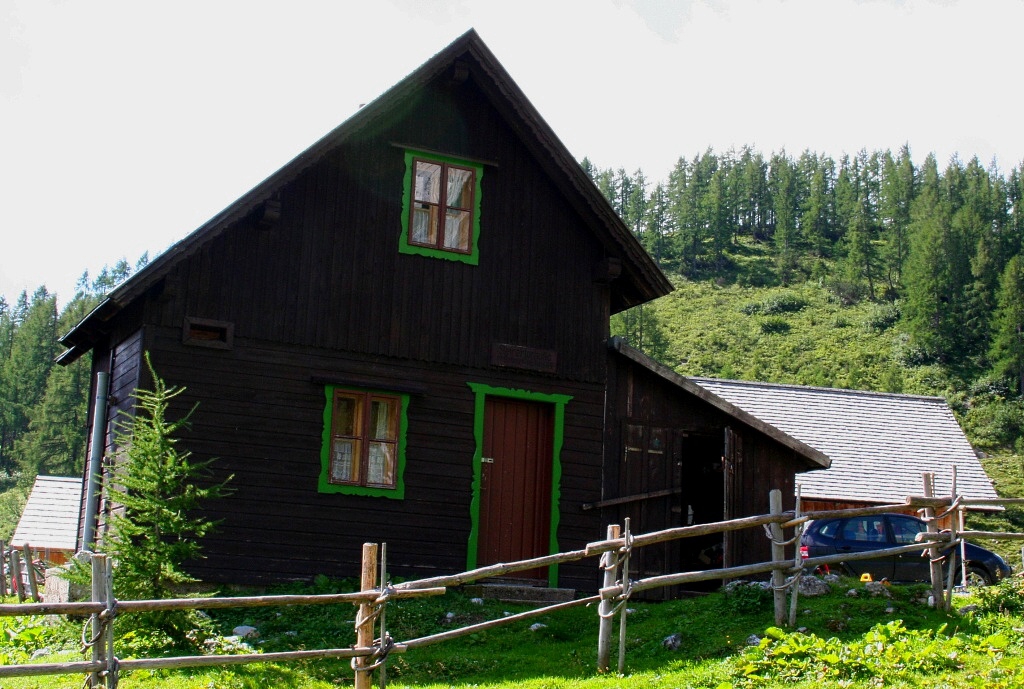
(515,482)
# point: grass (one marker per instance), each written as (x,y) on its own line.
(712,648)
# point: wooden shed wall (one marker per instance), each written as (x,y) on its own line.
(696,446)
(323,293)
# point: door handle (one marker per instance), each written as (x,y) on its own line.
(487,460)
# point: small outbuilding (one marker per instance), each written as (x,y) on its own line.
(678,455)
(49,522)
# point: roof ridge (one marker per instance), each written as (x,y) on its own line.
(816,388)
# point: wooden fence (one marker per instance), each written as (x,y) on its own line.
(373,643)
(21,574)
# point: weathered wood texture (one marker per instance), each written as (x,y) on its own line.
(330,275)
(260,415)
(645,411)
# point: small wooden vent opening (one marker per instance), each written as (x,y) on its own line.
(202,332)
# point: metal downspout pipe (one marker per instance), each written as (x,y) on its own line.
(96,450)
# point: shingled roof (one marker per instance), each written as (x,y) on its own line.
(879,443)
(813,457)
(50,517)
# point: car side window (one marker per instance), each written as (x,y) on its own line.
(905,529)
(867,529)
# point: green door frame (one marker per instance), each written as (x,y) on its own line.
(481,391)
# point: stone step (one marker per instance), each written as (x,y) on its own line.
(515,593)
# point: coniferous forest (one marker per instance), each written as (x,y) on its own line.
(866,272)
(43,406)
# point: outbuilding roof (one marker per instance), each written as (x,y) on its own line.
(50,517)
(879,443)
(813,457)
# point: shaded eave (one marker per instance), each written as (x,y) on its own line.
(641,279)
(812,457)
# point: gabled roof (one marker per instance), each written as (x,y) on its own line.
(641,280)
(880,443)
(813,457)
(50,517)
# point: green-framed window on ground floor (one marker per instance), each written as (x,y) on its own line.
(363,445)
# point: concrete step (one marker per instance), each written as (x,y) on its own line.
(517,593)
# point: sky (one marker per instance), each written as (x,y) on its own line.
(125,124)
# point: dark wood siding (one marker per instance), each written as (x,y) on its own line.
(329,274)
(323,294)
(260,416)
(690,468)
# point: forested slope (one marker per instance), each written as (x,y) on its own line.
(865,273)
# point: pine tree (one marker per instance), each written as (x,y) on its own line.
(815,220)
(782,183)
(55,440)
(658,225)
(1007,352)
(33,348)
(897,192)
(158,530)
(934,298)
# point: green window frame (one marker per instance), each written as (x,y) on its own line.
(363,443)
(435,224)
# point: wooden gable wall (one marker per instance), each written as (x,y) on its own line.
(323,295)
(329,274)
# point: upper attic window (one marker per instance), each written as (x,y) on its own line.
(441,209)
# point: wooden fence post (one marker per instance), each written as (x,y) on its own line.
(778,557)
(794,592)
(16,582)
(30,573)
(604,630)
(933,551)
(3,571)
(624,572)
(364,620)
(99,594)
(108,624)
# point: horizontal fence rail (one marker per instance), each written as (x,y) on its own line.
(373,643)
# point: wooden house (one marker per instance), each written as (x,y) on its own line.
(400,336)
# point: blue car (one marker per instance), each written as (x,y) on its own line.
(878,531)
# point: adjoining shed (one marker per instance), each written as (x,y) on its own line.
(49,521)
(880,443)
(677,454)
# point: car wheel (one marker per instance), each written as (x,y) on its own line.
(976,576)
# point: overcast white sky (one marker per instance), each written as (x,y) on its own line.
(124,124)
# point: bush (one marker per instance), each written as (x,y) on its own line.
(881,317)
(783,303)
(775,325)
